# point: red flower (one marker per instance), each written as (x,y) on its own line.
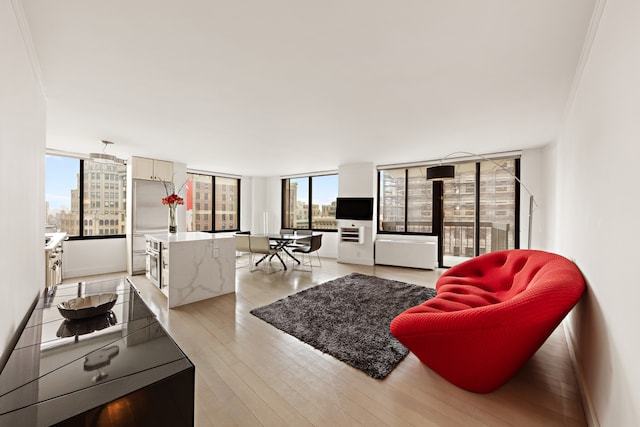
(172,199)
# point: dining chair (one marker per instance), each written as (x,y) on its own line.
(306,251)
(261,245)
(243,246)
(301,242)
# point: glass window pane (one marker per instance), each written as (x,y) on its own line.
(100,206)
(226,203)
(459,214)
(298,203)
(392,200)
(62,195)
(324,191)
(199,189)
(497,205)
(419,201)
(287,217)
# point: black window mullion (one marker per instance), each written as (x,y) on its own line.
(284,190)
(81,201)
(476,233)
(310,210)
(213,204)
(516,237)
(437,223)
(406,200)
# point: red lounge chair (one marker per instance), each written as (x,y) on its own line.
(490,315)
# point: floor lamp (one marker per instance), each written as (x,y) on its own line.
(442,172)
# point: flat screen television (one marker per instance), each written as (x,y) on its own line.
(356,208)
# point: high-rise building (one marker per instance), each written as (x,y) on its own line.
(103,210)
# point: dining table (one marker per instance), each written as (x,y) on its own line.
(283,242)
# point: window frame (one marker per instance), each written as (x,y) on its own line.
(436,217)
(285,198)
(81,199)
(406,205)
(212,205)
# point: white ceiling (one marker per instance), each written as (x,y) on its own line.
(267,88)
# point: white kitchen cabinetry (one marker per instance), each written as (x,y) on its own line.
(355,245)
(150,169)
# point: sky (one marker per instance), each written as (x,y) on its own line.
(325,189)
(61,178)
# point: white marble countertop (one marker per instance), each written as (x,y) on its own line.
(189,236)
(54,240)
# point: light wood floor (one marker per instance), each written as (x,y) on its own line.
(249,373)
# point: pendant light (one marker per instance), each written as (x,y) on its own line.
(104,157)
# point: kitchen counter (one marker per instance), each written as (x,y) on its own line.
(194,266)
(53,258)
(189,236)
(120,364)
(53,239)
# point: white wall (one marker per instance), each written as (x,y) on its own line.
(597,214)
(358,180)
(531,165)
(549,206)
(22,148)
(89,257)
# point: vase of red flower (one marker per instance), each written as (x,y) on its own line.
(172,200)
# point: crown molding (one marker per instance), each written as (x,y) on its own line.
(25,33)
(592,30)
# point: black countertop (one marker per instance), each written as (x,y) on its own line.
(61,368)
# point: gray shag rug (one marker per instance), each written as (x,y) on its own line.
(349,319)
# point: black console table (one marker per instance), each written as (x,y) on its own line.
(117,369)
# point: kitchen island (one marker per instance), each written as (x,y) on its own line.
(193,266)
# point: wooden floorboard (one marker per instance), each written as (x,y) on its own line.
(248,373)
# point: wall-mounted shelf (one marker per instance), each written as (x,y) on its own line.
(352,235)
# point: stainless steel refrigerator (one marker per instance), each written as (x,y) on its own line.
(149,216)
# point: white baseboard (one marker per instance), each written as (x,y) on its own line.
(587,403)
(359,261)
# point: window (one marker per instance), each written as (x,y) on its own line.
(392,188)
(69,205)
(479,206)
(497,205)
(310,202)
(224,221)
(405,198)
(204,216)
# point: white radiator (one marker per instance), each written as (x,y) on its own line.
(407,253)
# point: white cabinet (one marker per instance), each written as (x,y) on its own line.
(143,168)
(421,253)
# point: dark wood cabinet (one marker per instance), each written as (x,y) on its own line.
(117,369)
